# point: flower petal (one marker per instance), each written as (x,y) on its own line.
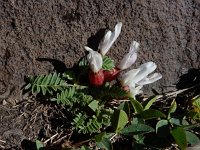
(95,59)
(88,49)
(145,69)
(130,57)
(135,90)
(128,77)
(109,39)
(150,79)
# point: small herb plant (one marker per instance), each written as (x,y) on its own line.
(101,100)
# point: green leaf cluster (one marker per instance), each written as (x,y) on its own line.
(46,83)
(93,113)
(108,63)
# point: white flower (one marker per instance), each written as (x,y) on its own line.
(109,39)
(95,60)
(145,70)
(150,79)
(135,90)
(130,57)
(128,77)
(136,78)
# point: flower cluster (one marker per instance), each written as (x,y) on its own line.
(133,80)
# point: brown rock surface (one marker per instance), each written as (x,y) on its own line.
(168,30)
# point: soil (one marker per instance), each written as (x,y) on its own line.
(31,120)
(37,37)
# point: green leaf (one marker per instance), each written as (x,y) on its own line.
(119,120)
(94,105)
(137,129)
(162,128)
(175,121)
(103,141)
(191,138)
(196,102)
(172,109)
(194,114)
(70,75)
(149,104)
(104,144)
(43,90)
(137,120)
(125,107)
(39,145)
(184,122)
(83,62)
(152,113)
(27,86)
(108,63)
(85,148)
(179,136)
(100,136)
(53,78)
(187,127)
(136,105)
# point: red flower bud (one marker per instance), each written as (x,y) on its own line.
(111,75)
(96,79)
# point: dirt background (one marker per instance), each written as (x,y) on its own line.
(168,31)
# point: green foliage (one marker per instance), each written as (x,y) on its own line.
(196,102)
(46,83)
(179,136)
(83,63)
(135,129)
(125,107)
(119,120)
(81,124)
(195,112)
(108,63)
(39,145)
(90,124)
(107,114)
(107,92)
(172,109)
(84,148)
(94,105)
(192,138)
(162,128)
(136,105)
(152,113)
(69,75)
(150,102)
(191,126)
(103,141)
(66,97)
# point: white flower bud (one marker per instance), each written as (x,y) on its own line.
(150,79)
(109,39)
(130,57)
(95,60)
